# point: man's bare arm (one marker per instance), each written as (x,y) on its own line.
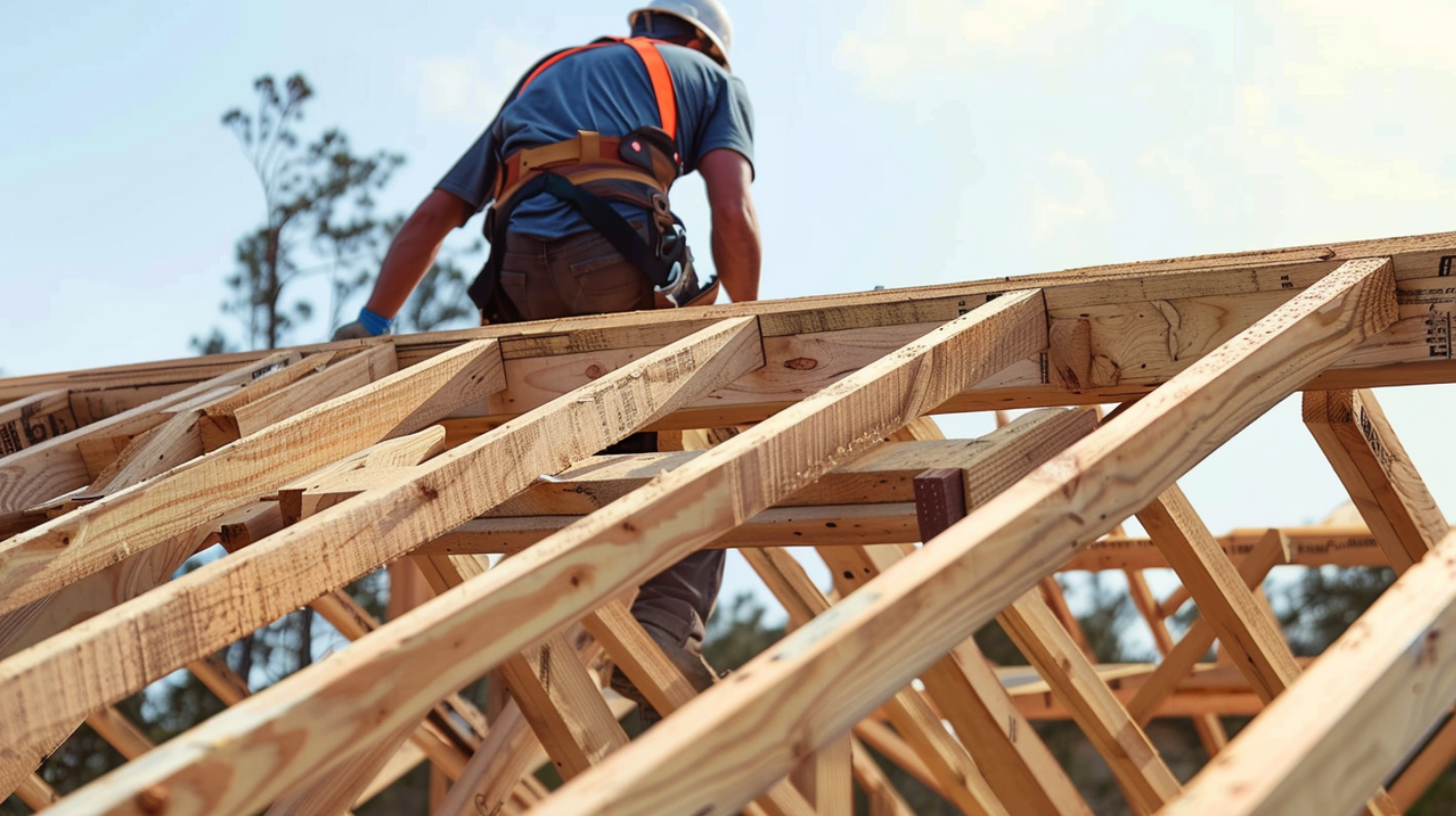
(414,249)
(737,253)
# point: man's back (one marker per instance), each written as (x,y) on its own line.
(606,90)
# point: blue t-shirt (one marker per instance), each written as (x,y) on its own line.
(606,90)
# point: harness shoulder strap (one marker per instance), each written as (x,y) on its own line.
(657,73)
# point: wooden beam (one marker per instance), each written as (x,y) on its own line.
(1309,546)
(665,687)
(86,540)
(548,586)
(1379,475)
(1423,771)
(1352,718)
(826,778)
(1243,626)
(1148,320)
(36,794)
(909,616)
(32,420)
(957,777)
(1195,643)
(1209,727)
(56,466)
(1017,765)
(332,382)
(882,799)
(1135,762)
(139,642)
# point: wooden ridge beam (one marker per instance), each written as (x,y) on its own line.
(1379,475)
(86,540)
(195,615)
(1147,320)
(546,587)
(1353,717)
(929,602)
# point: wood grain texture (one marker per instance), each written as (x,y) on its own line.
(533,593)
(1354,716)
(1179,660)
(80,543)
(999,551)
(55,466)
(1244,627)
(32,420)
(213,606)
(956,775)
(334,381)
(126,656)
(1379,475)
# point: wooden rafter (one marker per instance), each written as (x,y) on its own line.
(110,478)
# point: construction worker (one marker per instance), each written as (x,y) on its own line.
(576,168)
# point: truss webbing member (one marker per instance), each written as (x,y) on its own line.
(576,169)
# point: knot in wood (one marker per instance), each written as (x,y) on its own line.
(153,800)
(595,371)
(801,364)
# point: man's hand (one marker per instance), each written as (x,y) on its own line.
(736,251)
(369,324)
(351,331)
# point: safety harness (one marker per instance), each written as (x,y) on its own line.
(587,171)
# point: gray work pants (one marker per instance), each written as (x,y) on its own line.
(582,274)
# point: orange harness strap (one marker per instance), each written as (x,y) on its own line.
(657,73)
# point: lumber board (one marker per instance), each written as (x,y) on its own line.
(665,687)
(1353,717)
(1179,660)
(956,775)
(36,794)
(1209,727)
(219,426)
(56,466)
(1149,320)
(1021,771)
(1309,546)
(31,420)
(1245,628)
(147,515)
(335,380)
(999,551)
(881,798)
(1379,475)
(198,613)
(940,498)
(1133,758)
(826,778)
(824,526)
(86,540)
(741,477)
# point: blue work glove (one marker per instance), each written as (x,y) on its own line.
(369,324)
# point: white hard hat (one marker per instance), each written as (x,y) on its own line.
(707,16)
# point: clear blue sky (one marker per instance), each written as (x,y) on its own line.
(899,143)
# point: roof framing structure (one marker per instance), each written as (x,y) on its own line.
(426,454)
